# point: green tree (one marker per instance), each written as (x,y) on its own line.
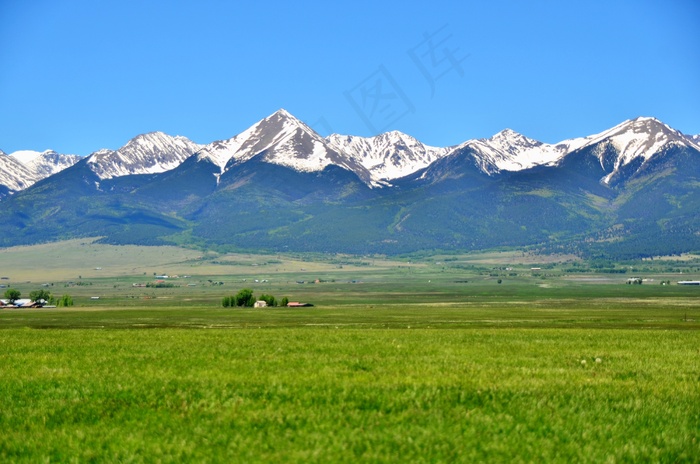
(284,301)
(269,299)
(65,300)
(40,296)
(12,295)
(228,301)
(245,298)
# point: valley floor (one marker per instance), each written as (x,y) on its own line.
(410,360)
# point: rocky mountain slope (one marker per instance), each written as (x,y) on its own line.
(628,191)
(387,156)
(22,169)
(146,154)
(14,175)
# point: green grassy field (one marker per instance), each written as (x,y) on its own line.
(413,360)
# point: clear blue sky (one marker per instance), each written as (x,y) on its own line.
(80,75)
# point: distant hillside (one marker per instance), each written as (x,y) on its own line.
(630,191)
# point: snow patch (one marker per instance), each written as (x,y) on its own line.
(150,153)
(387,156)
(26,156)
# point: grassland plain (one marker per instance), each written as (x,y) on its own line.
(312,394)
(420,360)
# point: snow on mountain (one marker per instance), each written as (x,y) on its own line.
(13,174)
(280,139)
(510,151)
(46,163)
(23,168)
(387,156)
(25,156)
(150,153)
(284,140)
(639,137)
(642,137)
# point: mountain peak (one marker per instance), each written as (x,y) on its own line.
(637,140)
(279,139)
(27,156)
(646,118)
(149,153)
(510,151)
(640,137)
(282,120)
(507,132)
(283,117)
(511,140)
(35,166)
(282,113)
(152,138)
(641,124)
(387,156)
(395,134)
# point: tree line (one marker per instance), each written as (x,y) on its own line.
(39,296)
(245,298)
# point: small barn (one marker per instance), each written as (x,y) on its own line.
(260,304)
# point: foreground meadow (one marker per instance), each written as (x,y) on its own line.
(305,390)
(477,358)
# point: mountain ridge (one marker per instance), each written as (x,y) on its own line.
(377,160)
(628,191)
(148,153)
(387,156)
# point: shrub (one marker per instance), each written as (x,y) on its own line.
(65,300)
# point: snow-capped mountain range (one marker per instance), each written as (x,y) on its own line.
(637,138)
(284,140)
(23,168)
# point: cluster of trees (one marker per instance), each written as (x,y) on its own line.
(40,296)
(245,298)
(160,285)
